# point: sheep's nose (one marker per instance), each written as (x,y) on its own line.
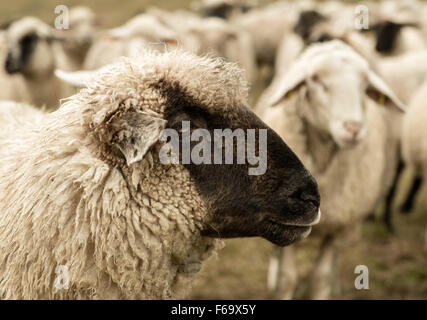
(10,65)
(310,197)
(353,127)
(308,192)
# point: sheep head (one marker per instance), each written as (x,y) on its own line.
(29,47)
(331,81)
(127,106)
(83,25)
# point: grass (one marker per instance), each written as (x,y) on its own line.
(397,262)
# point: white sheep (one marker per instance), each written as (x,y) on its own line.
(225,9)
(211,36)
(15,115)
(13,86)
(324,22)
(226,40)
(269,24)
(396,29)
(35,52)
(162,30)
(83,25)
(414,146)
(84,191)
(320,106)
(405,73)
(141,31)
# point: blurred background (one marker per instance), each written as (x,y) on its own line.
(397,258)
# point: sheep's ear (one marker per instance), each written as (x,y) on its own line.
(382,94)
(76,78)
(286,88)
(134,133)
(114,34)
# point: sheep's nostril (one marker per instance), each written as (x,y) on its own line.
(352,127)
(10,66)
(309,197)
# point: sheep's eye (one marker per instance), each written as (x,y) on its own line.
(196,119)
(195,123)
(29,39)
(317,80)
(181,128)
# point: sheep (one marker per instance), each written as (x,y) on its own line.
(323,24)
(86,189)
(404,74)
(392,31)
(141,31)
(176,29)
(396,50)
(13,86)
(413,145)
(35,52)
(14,115)
(268,26)
(319,24)
(211,36)
(225,9)
(343,138)
(228,41)
(83,24)
(395,30)
(413,139)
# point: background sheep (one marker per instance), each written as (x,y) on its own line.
(211,36)
(394,52)
(414,147)
(81,34)
(86,189)
(34,52)
(225,9)
(13,86)
(267,26)
(127,40)
(320,107)
(270,26)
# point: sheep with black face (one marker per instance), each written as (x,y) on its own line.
(85,188)
(34,51)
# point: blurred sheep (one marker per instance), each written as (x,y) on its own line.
(78,39)
(34,52)
(269,24)
(128,40)
(321,108)
(225,9)
(414,143)
(13,86)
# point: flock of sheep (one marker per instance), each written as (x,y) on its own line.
(81,184)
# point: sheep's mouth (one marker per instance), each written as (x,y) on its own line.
(316,219)
(283,233)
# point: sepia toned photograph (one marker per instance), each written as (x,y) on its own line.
(217,154)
